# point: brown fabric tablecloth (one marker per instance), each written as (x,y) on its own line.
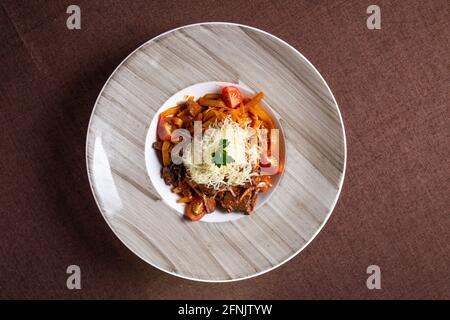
(392,86)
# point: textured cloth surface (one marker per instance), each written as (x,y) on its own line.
(392,86)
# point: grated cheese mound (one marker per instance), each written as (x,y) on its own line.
(244,153)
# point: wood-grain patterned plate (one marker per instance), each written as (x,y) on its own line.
(315,152)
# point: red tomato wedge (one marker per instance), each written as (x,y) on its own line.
(231,96)
(195,210)
(164,129)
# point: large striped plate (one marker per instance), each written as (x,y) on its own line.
(315,151)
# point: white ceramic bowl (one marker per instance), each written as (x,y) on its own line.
(153,164)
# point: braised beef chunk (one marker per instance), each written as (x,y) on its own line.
(168,176)
(202,189)
(177,173)
(229,202)
(219,195)
(157,145)
(183,189)
(210,203)
(248,201)
(243,200)
(206,190)
(187,192)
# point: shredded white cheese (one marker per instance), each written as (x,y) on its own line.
(240,149)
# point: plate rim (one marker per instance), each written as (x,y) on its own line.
(341,183)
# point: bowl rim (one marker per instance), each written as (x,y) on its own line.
(341,183)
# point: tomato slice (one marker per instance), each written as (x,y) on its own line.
(164,129)
(231,96)
(195,210)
